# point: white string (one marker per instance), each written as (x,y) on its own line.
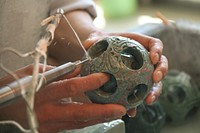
(77,37)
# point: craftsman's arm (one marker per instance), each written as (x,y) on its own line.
(80,14)
(66,47)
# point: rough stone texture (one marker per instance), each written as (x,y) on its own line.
(130,70)
(180,97)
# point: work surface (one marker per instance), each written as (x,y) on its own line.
(189,126)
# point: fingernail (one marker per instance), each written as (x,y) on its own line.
(156,58)
(105,78)
(119,112)
(153,99)
(159,76)
(131,115)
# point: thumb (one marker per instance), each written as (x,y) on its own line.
(94,37)
(90,41)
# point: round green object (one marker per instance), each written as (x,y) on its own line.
(149,119)
(180,97)
(130,69)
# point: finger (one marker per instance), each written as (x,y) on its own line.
(60,126)
(155,49)
(90,41)
(79,112)
(132,112)
(146,41)
(161,69)
(72,87)
(47,67)
(94,37)
(29,69)
(154,93)
(154,45)
(75,73)
(25,71)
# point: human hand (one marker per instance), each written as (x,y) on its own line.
(155,47)
(20,73)
(55,114)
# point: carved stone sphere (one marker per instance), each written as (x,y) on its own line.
(149,119)
(180,97)
(130,69)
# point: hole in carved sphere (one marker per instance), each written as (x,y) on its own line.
(168,119)
(149,114)
(109,87)
(98,49)
(192,112)
(132,58)
(138,93)
(176,94)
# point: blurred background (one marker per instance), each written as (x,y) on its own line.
(181,40)
(123,15)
